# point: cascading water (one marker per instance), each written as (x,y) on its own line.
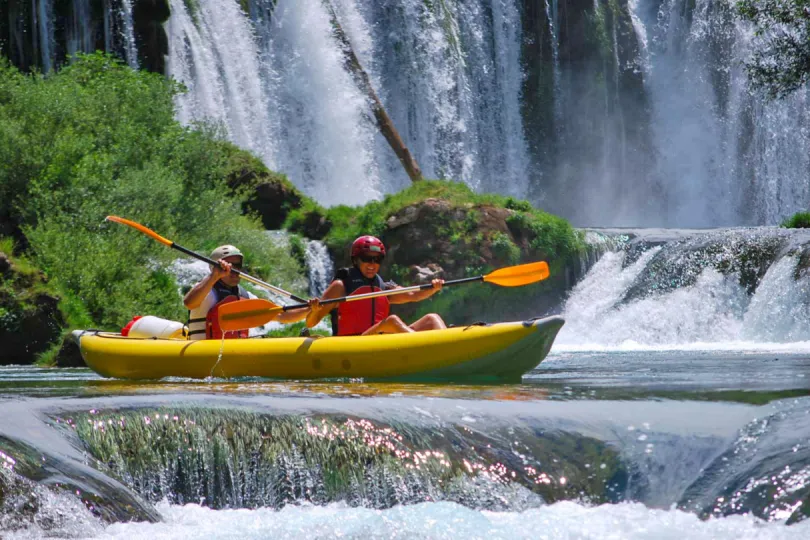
(719,289)
(43,27)
(80,36)
(320,268)
(128,34)
(213,52)
(631,113)
(449,76)
(726,155)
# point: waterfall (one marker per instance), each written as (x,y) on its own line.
(726,154)
(43,27)
(627,113)
(108,24)
(214,53)
(449,75)
(320,268)
(79,32)
(327,137)
(128,34)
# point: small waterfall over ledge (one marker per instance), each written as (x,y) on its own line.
(320,267)
(714,289)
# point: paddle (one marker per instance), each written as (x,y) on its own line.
(203,258)
(256,312)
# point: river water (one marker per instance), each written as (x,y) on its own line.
(675,403)
(594,444)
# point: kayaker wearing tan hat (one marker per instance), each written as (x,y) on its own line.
(370,316)
(219,287)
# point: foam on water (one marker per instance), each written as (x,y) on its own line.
(448,520)
(714,313)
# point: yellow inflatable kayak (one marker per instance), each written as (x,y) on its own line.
(500,352)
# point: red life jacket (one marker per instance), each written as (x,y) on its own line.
(354,318)
(212,328)
(209,324)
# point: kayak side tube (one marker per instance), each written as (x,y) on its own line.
(506,365)
(500,352)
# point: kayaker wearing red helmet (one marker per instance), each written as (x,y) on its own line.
(370,316)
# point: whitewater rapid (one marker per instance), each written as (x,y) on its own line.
(715,313)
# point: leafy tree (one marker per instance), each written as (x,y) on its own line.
(780,63)
(98,138)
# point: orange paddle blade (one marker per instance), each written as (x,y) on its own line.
(247,314)
(515,276)
(138,226)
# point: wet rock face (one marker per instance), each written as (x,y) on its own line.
(69,354)
(453,237)
(273,200)
(42,494)
(30,320)
(743,252)
(270,195)
(153,45)
(239,459)
(28,508)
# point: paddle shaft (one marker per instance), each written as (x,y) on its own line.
(244,276)
(166,242)
(390,292)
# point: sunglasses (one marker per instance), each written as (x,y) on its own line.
(371,259)
(236,265)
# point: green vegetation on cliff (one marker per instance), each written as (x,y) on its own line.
(459,233)
(780,61)
(98,138)
(550,235)
(799,220)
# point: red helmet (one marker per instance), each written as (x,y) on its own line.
(367,244)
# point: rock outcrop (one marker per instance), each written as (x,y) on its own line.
(441,238)
(30,320)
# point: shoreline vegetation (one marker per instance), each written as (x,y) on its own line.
(99,138)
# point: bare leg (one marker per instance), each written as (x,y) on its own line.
(390,325)
(431,321)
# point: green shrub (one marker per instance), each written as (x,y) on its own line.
(98,138)
(298,250)
(799,220)
(551,235)
(519,205)
(504,249)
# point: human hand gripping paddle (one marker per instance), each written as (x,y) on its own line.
(256,312)
(203,258)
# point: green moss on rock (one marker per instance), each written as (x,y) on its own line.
(30,319)
(444,229)
(799,220)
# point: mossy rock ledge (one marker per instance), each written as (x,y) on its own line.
(436,238)
(441,229)
(30,319)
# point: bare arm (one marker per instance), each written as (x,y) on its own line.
(198,292)
(294,315)
(417,296)
(317,311)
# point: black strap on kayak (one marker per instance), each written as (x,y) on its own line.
(476,323)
